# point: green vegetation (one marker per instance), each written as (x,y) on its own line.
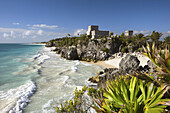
(111,33)
(155,36)
(161,58)
(124,49)
(167,40)
(106,50)
(75,105)
(137,93)
(122,35)
(130,96)
(136,41)
(69,41)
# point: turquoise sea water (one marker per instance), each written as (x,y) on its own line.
(13,58)
(35,80)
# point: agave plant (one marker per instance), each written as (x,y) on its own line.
(130,96)
(161,58)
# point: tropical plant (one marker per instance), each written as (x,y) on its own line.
(75,105)
(124,49)
(161,58)
(155,36)
(130,96)
(167,40)
(111,33)
(139,36)
(105,50)
(122,35)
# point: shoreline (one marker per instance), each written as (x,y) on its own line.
(102,64)
(114,63)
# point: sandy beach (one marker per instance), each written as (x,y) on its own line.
(102,64)
(114,63)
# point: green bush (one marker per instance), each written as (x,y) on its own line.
(75,105)
(104,40)
(105,50)
(124,49)
(139,49)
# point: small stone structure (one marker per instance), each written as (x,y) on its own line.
(129,33)
(93,30)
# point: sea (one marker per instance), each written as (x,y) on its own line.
(33,79)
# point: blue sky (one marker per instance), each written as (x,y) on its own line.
(24,21)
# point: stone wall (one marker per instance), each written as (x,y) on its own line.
(93,30)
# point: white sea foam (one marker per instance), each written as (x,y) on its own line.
(49,48)
(18,97)
(46,107)
(42,58)
(86,64)
(74,68)
(62,80)
(37,56)
(56,84)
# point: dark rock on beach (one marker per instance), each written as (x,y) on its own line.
(129,64)
(72,54)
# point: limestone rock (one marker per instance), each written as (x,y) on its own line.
(129,64)
(72,54)
(151,66)
(49,44)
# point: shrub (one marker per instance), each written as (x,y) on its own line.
(124,49)
(139,49)
(106,50)
(104,40)
(75,105)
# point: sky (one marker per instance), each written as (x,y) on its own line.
(25,21)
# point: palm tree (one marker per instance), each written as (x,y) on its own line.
(155,36)
(67,38)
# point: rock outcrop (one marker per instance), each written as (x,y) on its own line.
(72,54)
(68,53)
(129,64)
(86,49)
(49,44)
(151,65)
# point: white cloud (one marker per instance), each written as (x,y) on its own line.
(15,23)
(12,33)
(145,32)
(38,26)
(34,36)
(165,34)
(6,35)
(11,29)
(27,32)
(9,34)
(29,35)
(168,32)
(80,31)
(40,32)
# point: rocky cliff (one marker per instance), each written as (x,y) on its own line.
(83,48)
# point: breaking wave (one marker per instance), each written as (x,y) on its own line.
(18,98)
